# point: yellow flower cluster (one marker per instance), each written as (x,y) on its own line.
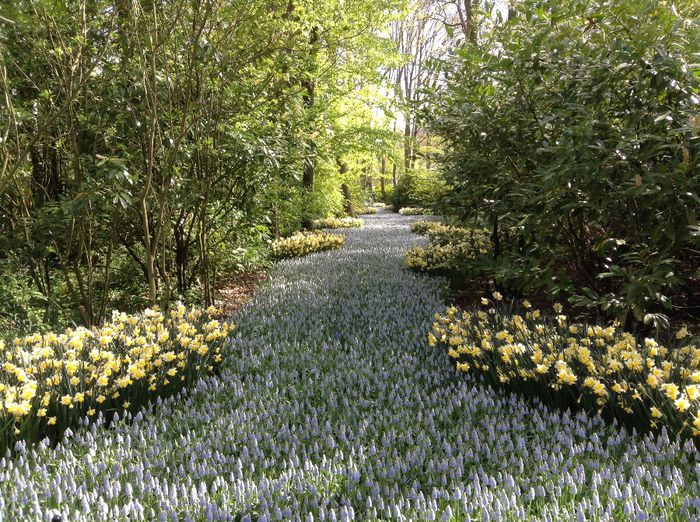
(347,222)
(426,227)
(303,243)
(603,367)
(365,210)
(415,211)
(450,246)
(49,379)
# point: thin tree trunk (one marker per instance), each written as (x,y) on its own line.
(382,181)
(407,146)
(309,97)
(347,195)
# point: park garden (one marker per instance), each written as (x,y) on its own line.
(349,260)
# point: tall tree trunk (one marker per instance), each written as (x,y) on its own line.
(407,146)
(382,181)
(347,195)
(309,87)
(471,25)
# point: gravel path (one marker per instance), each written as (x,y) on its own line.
(331,406)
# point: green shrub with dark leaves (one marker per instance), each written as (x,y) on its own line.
(575,126)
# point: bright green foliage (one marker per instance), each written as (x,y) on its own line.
(419,187)
(577,123)
(148,149)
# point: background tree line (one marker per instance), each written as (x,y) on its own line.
(150,147)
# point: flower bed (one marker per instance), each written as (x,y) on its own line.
(451,248)
(347,222)
(50,382)
(366,210)
(415,211)
(303,243)
(426,226)
(599,369)
(331,407)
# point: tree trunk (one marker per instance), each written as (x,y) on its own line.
(349,209)
(382,181)
(309,87)
(471,26)
(407,146)
(512,11)
(347,195)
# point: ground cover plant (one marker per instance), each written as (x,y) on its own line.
(365,211)
(424,226)
(303,243)
(331,405)
(50,382)
(600,369)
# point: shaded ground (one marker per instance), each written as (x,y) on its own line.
(233,293)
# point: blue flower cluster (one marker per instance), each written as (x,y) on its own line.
(331,406)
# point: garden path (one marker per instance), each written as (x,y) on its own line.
(331,406)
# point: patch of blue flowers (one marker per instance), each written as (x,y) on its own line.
(331,406)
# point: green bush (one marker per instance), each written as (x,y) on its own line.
(576,126)
(419,187)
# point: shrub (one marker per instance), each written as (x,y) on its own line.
(599,369)
(578,122)
(366,210)
(303,243)
(49,382)
(419,187)
(347,222)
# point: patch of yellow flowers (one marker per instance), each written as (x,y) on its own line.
(303,243)
(600,368)
(365,210)
(55,379)
(347,222)
(415,211)
(450,246)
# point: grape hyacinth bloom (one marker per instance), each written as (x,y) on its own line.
(331,406)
